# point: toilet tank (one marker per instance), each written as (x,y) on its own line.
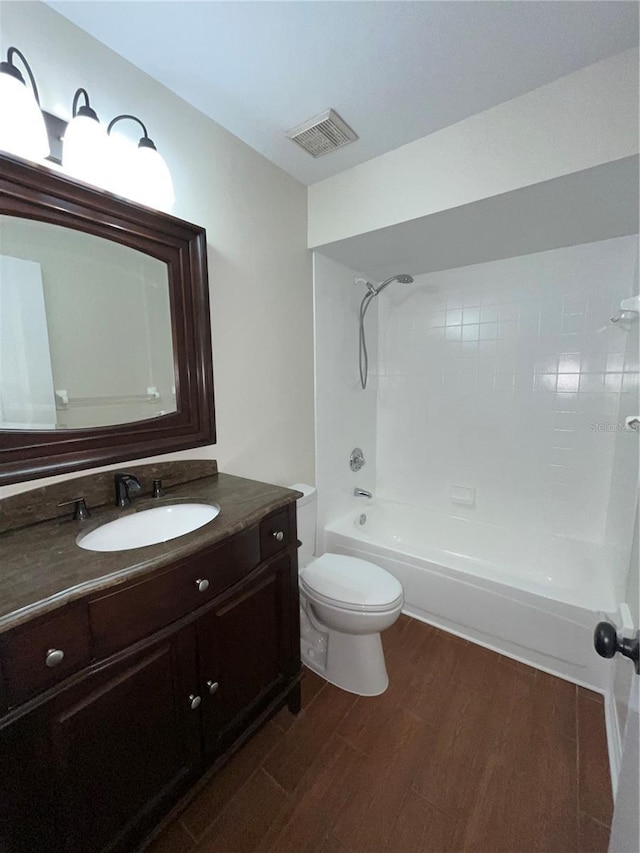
(306,516)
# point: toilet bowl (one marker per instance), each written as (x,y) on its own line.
(345,603)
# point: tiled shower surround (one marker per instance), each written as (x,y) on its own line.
(504,385)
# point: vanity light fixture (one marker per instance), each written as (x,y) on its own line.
(84,143)
(140,173)
(22,130)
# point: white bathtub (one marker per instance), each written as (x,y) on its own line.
(533,597)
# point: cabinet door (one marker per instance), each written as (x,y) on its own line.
(125,747)
(245,648)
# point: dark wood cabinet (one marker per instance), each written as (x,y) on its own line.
(92,764)
(89,770)
(124,747)
(244,653)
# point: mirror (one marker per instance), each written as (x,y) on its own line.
(105,341)
(85,330)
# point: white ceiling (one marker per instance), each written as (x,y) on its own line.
(395,71)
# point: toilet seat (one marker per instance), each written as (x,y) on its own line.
(350,583)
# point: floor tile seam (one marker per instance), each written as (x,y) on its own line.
(187,830)
(579,749)
(412,713)
(452,815)
(230,802)
(311,769)
(425,800)
(279,727)
(259,766)
(589,695)
(315,695)
(351,745)
(396,707)
(300,792)
(274,746)
(288,794)
(583,813)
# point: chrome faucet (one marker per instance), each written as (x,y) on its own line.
(362,493)
(124,482)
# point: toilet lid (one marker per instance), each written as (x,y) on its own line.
(351,580)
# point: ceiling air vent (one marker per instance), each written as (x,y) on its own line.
(322,133)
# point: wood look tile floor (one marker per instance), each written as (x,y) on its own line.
(466,751)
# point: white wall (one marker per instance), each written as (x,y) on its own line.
(345,414)
(577,122)
(255,216)
(494,381)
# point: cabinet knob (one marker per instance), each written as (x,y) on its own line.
(54,657)
(278,535)
(212,686)
(194,701)
(202,584)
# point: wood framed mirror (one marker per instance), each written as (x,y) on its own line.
(105,338)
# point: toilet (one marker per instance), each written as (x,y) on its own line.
(345,603)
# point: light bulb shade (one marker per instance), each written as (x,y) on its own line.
(152,184)
(121,164)
(138,173)
(84,152)
(22,128)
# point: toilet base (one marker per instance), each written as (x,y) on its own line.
(354,662)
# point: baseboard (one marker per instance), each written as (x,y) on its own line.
(614,738)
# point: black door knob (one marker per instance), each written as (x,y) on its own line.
(605,639)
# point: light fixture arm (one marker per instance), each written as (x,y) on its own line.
(145,142)
(85,110)
(8,67)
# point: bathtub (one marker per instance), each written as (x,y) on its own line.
(533,597)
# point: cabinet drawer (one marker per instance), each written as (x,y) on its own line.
(38,656)
(275,534)
(127,615)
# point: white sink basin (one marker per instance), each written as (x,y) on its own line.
(148,527)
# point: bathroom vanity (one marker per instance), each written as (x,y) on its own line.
(125,676)
(128,675)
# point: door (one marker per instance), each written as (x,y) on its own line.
(124,747)
(625,828)
(244,651)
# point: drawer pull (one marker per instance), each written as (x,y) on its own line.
(54,657)
(212,686)
(278,535)
(203,584)
(194,701)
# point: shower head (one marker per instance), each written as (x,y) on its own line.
(403,279)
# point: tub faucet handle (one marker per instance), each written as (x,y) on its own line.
(356,460)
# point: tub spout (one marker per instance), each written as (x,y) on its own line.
(362,493)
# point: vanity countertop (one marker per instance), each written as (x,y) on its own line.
(42,567)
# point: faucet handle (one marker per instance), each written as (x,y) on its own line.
(81,510)
(158,491)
